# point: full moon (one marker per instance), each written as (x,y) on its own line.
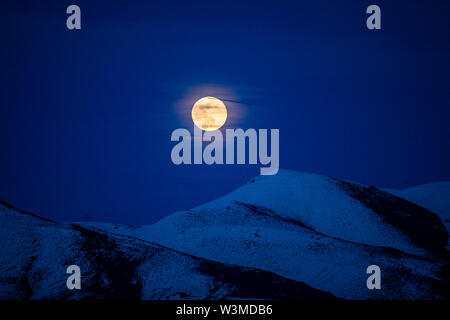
(209,113)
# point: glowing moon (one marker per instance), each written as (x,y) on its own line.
(209,113)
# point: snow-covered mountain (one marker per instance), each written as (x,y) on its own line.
(35,253)
(432,196)
(304,229)
(318,230)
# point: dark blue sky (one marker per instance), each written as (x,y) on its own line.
(86,116)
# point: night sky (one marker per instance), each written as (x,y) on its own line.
(86,116)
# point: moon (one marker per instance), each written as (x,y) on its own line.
(209,113)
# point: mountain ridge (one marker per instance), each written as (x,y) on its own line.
(276,232)
(36,252)
(315,234)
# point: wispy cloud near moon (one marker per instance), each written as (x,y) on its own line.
(235,103)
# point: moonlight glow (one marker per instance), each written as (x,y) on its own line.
(209,113)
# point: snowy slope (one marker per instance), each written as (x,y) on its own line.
(242,236)
(314,229)
(339,209)
(432,196)
(310,234)
(35,253)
